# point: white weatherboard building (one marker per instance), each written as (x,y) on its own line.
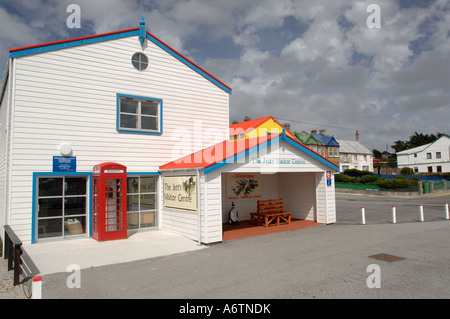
(127,97)
(429,158)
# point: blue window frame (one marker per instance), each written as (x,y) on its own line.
(138,114)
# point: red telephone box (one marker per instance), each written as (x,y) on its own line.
(109,202)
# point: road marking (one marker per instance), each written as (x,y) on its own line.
(438,195)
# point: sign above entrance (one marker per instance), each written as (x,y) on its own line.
(64,164)
(278,161)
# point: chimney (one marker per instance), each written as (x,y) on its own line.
(287,126)
(357,136)
(322,132)
(247,118)
(313,131)
(235,122)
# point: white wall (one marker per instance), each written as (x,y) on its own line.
(69,95)
(422,162)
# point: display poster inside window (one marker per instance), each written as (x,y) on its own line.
(180,192)
(244,186)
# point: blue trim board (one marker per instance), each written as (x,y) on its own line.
(70,44)
(187,62)
(113,36)
(280,138)
(119,95)
(35,187)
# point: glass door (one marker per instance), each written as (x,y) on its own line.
(141,202)
(61,206)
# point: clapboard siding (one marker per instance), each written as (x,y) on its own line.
(70,95)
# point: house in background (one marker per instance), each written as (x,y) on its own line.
(354,155)
(258,127)
(429,158)
(307,139)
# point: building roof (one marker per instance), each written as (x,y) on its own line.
(352,147)
(306,138)
(248,126)
(326,140)
(422,147)
(228,152)
(140,31)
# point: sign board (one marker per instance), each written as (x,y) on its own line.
(244,186)
(328,178)
(180,192)
(64,164)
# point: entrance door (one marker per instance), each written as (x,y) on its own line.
(61,206)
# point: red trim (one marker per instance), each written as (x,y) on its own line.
(70,40)
(189,61)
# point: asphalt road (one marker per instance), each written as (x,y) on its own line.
(329,261)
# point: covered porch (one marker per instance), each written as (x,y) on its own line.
(244,229)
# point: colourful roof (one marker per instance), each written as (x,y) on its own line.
(250,125)
(306,138)
(247,126)
(326,140)
(139,31)
(228,152)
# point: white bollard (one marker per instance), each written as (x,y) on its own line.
(446,211)
(363,215)
(421,213)
(394,217)
(36,287)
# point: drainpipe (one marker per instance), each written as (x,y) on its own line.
(8,114)
(199,209)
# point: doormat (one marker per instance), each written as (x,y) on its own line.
(386,257)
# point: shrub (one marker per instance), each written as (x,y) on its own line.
(342,178)
(406,171)
(394,183)
(368,179)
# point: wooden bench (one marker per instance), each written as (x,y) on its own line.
(270,213)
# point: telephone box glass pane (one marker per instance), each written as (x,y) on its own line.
(149,123)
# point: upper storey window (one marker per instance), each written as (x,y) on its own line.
(139,114)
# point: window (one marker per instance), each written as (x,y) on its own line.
(141,201)
(61,206)
(438,154)
(430,169)
(139,61)
(416,170)
(139,114)
(415,155)
(428,155)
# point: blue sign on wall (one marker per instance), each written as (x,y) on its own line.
(64,164)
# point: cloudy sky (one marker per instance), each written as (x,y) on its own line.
(314,64)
